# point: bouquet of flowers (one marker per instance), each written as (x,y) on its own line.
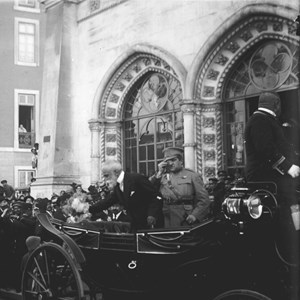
(78,209)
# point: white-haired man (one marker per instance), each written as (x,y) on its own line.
(134,192)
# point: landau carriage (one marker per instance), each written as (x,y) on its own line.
(232,255)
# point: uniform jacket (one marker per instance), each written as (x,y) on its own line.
(186,187)
(139,199)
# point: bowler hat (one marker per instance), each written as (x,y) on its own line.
(32,242)
(42,204)
(172,152)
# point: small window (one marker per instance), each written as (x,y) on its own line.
(24,178)
(27,5)
(26,42)
(26,118)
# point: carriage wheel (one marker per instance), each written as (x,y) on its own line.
(241,295)
(50,273)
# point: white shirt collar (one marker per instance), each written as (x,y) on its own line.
(120,180)
(268,111)
(121,177)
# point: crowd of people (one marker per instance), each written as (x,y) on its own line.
(19,228)
(174,196)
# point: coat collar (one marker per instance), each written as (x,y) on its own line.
(267,111)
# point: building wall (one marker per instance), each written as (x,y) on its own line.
(106,34)
(14,77)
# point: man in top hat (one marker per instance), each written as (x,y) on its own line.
(185,199)
(270,157)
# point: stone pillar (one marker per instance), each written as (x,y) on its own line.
(188,108)
(57,167)
(95,128)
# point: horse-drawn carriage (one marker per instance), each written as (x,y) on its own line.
(232,255)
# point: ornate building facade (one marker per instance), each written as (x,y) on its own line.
(123,79)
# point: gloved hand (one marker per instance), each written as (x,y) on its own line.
(294,171)
(161,168)
(191,219)
(151,221)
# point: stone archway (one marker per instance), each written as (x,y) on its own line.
(205,81)
(106,122)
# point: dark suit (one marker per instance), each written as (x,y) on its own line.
(269,153)
(139,199)
(269,157)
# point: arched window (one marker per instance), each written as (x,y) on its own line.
(272,65)
(153,121)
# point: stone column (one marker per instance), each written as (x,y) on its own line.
(95,128)
(58,167)
(188,108)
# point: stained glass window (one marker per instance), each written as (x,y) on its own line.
(270,66)
(153,121)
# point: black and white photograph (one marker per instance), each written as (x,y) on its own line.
(149,150)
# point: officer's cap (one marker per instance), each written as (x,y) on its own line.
(18,204)
(213,179)
(172,152)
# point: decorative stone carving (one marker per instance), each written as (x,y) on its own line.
(209,155)
(222,60)
(213,74)
(94,126)
(208,122)
(120,86)
(261,26)
(209,139)
(246,35)
(251,30)
(94,5)
(277,26)
(137,68)
(147,61)
(208,91)
(233,46)
(188,106)
(111,112)
(292,28)
(127,76)
(111,138)
(114,98)
(157,62)
(209,172)
(111,151)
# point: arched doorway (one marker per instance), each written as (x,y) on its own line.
(271,66)
(136,111)
(152,121)
(241,42)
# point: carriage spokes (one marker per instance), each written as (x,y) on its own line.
(51,274)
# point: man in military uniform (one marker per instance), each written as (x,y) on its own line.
(185,199)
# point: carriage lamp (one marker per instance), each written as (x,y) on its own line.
(235,206)
(254,205)
(232,206)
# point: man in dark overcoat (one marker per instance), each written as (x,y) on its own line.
(271,157)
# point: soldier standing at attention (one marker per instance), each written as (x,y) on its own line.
(185,199)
